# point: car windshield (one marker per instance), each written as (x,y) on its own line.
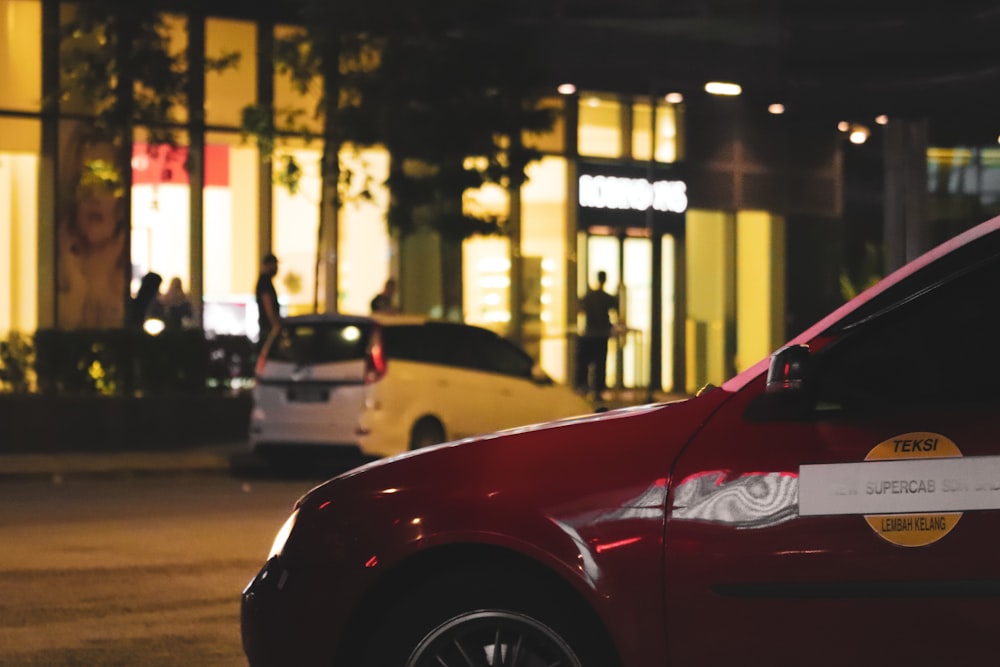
(317,343)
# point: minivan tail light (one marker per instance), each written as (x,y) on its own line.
(375,361)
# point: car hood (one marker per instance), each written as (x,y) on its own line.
(513,454)
(570,470)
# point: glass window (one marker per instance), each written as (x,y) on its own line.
(600,127)
(230,235)
(21,55)
(321,343)
(287,97)
(919,353)
(161,213)
(92,231)
(482,350)
(416,342)
(176,32)
(296,226)
(229,91)
(553,140)
(666,132)
(503,357)
(19,258)
(365,250)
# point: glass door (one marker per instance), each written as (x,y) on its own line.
(628,261)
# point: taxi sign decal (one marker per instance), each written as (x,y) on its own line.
(911,489)
(913,530)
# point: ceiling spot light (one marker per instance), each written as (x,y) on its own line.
(859,134)
(882,119)
(776,109)
(723,88)
(843,126)
(674,98)
(566,89)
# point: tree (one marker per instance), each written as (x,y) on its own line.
(447,87)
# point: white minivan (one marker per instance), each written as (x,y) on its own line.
(381,385)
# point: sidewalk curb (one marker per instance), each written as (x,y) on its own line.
(232,458)
(120,464)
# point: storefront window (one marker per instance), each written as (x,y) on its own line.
(486,263)
(232,255)
(19,149)
(365,249)
(21,55)
(91,230)
(229,91)
(486,282)
(161,213)
(600,128)
(287,97)
(543,240)
(296,226)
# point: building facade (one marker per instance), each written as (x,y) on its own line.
(719,225)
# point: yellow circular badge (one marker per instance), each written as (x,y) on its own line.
(913,530)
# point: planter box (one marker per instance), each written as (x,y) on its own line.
(31,423)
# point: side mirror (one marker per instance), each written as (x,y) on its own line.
(789,369)
(786,394)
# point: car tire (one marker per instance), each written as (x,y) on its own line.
(463,618)
(426,432)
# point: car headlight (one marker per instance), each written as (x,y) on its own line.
(282,536)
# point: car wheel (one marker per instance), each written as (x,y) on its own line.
(425,433)
(485,617)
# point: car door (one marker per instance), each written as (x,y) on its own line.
(865,529)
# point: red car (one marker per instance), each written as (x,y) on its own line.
(836,506)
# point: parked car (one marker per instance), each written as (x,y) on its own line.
(382,385)
(836,504)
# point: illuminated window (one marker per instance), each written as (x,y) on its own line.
(288,98)
(600,128)
(543,238)
(19,258)
(296,224)
(229,91)
(230,234)
(161,212)
(365,248)
(21,55)
(551,141)
(666,132)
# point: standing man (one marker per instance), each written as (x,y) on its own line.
(268,315)
(385,301)
(592,347)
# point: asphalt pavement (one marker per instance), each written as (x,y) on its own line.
(230,458)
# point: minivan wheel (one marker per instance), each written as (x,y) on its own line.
(426,432)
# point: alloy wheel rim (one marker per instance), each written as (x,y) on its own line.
(493,638)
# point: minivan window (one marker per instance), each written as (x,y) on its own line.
(321,343)
(413,342)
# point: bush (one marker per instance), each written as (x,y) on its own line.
(17,361)
(118,362)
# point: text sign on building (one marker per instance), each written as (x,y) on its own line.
(636,194)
